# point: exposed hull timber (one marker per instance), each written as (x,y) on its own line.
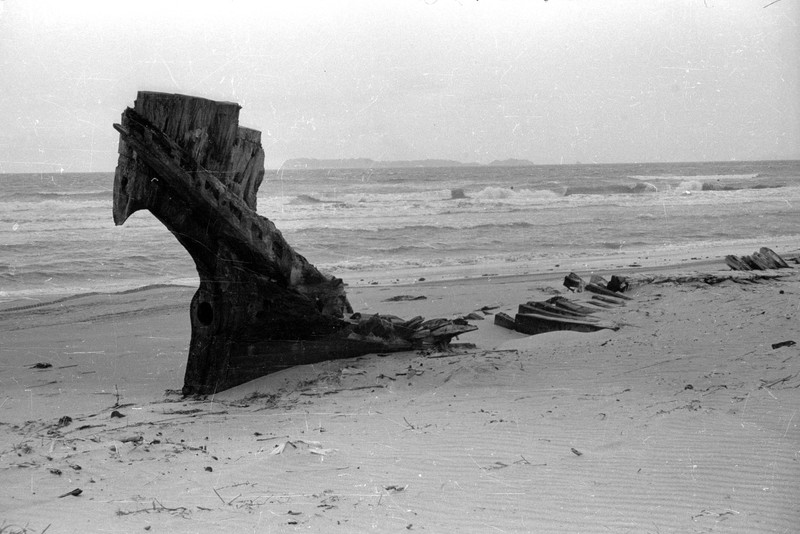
(260,306)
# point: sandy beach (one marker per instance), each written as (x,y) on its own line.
(684,420)
(202,177)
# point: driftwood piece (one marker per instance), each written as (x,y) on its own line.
(260,306)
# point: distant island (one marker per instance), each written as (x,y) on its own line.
(511,162)
(366,163)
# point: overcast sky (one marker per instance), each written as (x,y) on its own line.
(551,81)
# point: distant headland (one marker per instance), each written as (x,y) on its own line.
(366,163)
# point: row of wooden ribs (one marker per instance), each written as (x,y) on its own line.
(758,261)
(560,313)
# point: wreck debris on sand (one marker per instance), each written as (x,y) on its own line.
(260,306)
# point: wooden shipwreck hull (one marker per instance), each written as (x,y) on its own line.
(559,313)
(534,323)
(260,306)
(538,322)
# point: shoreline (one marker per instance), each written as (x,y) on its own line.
(433,280)
(547,269)
(669,258)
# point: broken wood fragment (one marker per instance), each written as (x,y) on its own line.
(617,284)
(573,282)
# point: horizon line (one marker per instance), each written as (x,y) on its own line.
(459,164)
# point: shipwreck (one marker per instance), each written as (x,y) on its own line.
(260,306)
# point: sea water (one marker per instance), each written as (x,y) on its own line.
(57,236)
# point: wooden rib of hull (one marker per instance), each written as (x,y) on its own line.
(529,323)
(608,300)
(505,320)
(542,308)
(566,304)
(594,288)
(532,324)
(762,260)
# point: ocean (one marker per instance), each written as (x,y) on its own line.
(57,236)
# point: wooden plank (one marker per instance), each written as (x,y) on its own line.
(776,259)
(567,304)
(594,288)
(529,323)
(505,320)
(609,300)
(544,308)
(735,263)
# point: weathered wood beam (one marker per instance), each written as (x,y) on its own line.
(260,306)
